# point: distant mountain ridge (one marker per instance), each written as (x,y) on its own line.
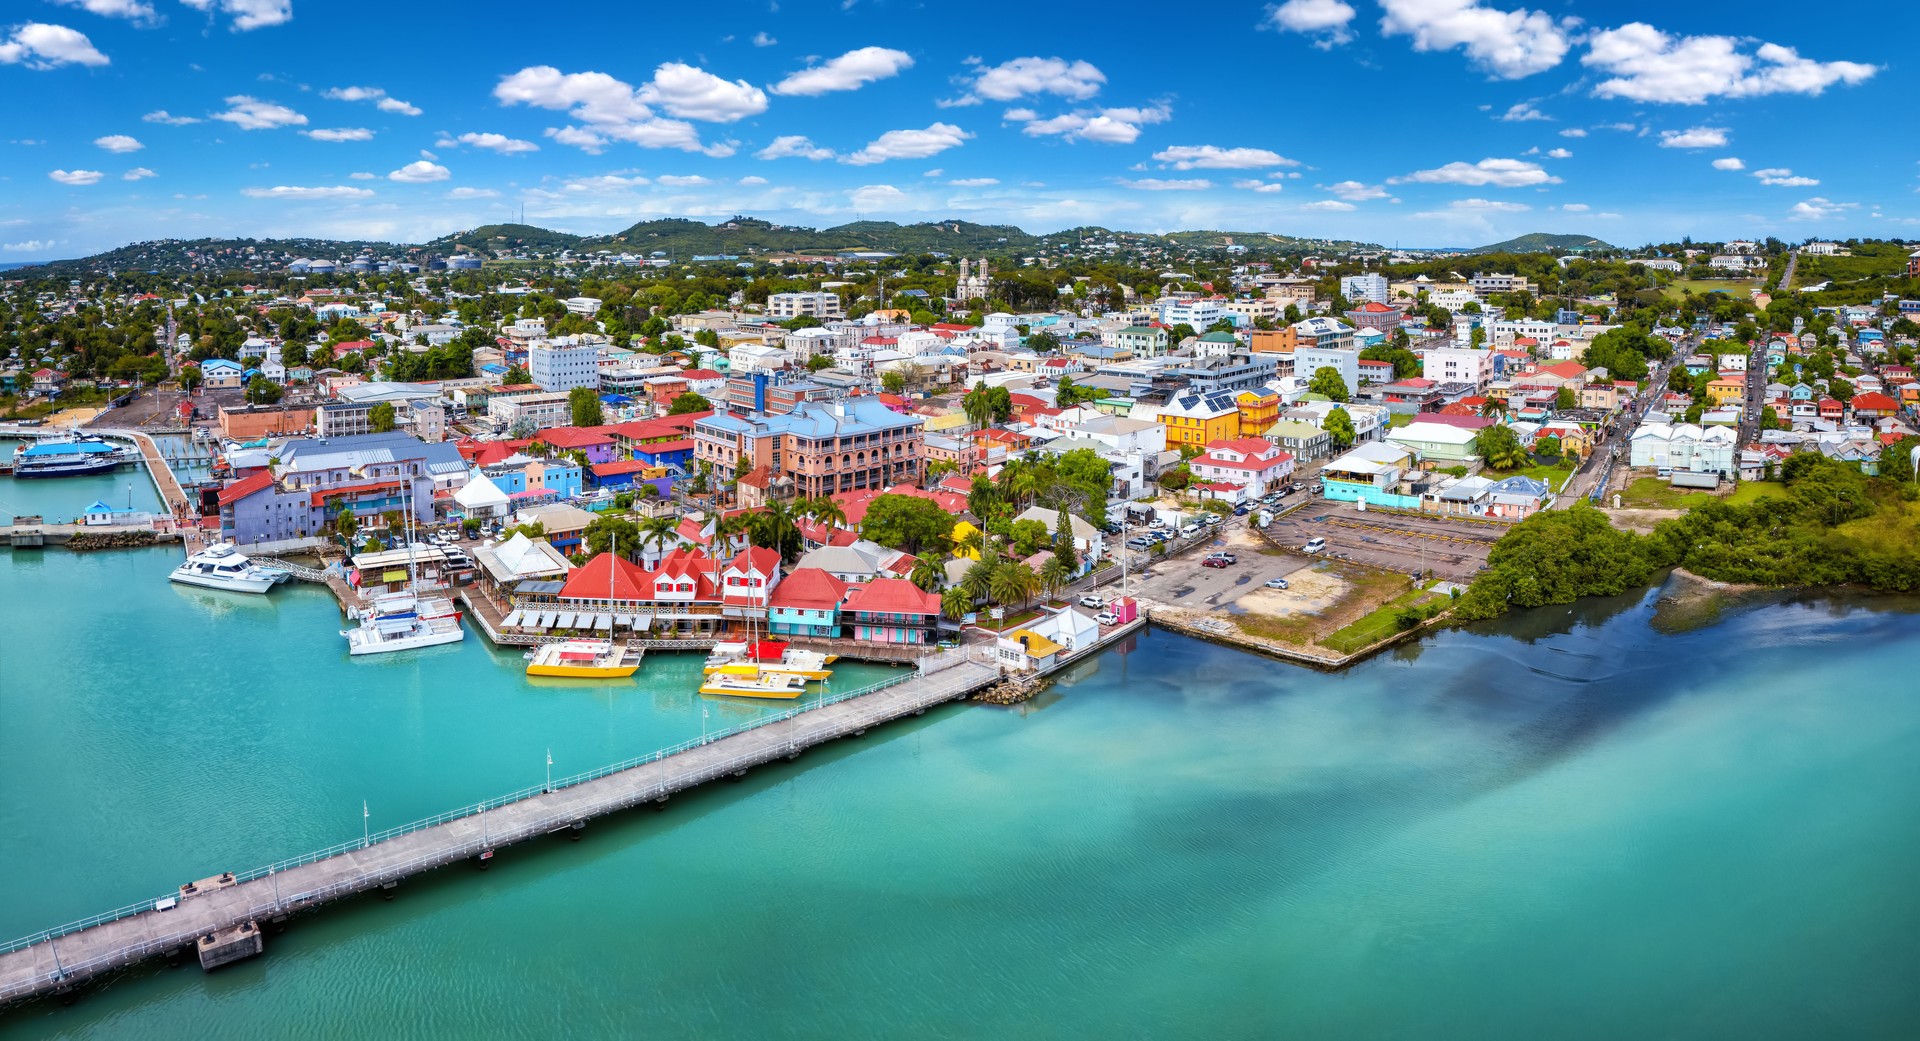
(1541,242)
(678,238)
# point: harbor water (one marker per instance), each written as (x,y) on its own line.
(1571,826)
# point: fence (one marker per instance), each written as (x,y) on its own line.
(483,806)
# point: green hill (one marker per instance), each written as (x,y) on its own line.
(505,237)
(1541,242)
(745,236)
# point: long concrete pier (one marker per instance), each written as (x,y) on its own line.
(219,918)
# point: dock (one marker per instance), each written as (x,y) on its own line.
(219,917)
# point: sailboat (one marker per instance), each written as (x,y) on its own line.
(588,659)
(750,658)
(406,620)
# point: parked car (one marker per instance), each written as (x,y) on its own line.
(1092,601)
(1190,531)
(1276,583)
(1242,510)
(1213,562)
(1223,555)
(1107,618)
(1314,545)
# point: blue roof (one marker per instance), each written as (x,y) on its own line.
(50,448)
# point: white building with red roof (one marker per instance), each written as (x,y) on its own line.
(1253,463)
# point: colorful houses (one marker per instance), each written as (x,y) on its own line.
(891,610)
(806,603)
(1252,463)
(1196,418)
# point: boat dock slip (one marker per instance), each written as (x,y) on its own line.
(219,917)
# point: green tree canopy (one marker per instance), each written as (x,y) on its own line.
(907,522)
(1328,383)
(380,417)
(584,404)
(688,402)
(1339,427)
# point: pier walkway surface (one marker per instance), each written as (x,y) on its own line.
(228,905)
(168,485)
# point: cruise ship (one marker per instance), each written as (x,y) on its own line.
(220,566)
(72,456)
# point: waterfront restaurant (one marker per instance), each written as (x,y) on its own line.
(688,594)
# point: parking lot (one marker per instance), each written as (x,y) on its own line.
(1450,549)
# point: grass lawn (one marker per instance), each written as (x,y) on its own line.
(1553,475)
(1753,491)
(1377,624)
(1894,529)
(1738,288)
(1654,493)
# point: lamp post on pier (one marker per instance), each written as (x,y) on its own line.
(548,790)
(365,816)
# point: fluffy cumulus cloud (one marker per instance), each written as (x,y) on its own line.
(1573,132)
(248,14)
(1025,77)
(338,134)
(1559,153)
(1523,112)
(681,180)
(76,177)
(1329,206)
(1356,191)
(1498,173)
(909,144)
(38,45)
(1818,208)
(381,99)
(500,143)
(1729,163)
(850,71)
(1111,126)
(611,109)
(876,197)
(974,182)
(420,171)
(1648,65)
(1156,184)
(1324,20)
(1575,207)
(751,180)
(118,143)
(1507,44)
(1781,177)
(473,193)
(138,173)
(764,39)
(693,93)
(288,191)
(1487,206)
(1213,157)
(131,10)
(253,114)
(166,118)
(1265,187)
(1694,137)
(794,146)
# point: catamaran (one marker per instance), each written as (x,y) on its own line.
(220,566)
(405,620)
(751,658)
(587,659)
(784,686)
(71,456)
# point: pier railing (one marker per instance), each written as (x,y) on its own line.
(472,809)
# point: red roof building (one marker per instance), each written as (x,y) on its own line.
(1874,405)
(891,610)
(607,577)
(809,589)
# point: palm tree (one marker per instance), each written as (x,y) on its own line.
(659,531)
(978,405)
(1013,581)
(927,575)
(978,581)
(956,602)
(825,510)
(1054,576)
(970,544)
(772,527)
(346,523)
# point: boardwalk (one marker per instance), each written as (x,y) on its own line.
(51,963)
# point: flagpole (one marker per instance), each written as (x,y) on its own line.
(365,815)
(549,787)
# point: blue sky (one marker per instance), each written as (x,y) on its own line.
(1419,122)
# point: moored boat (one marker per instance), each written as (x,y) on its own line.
(767,656)
(784,686)
(583,659)
(221,566)
(70,456)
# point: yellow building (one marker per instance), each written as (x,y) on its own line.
(1259,411)
(1198,417)
(1727,390)
(959,534)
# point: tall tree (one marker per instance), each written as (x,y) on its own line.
(584,404)
(1328,383)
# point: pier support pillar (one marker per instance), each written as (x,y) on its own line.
(226,946)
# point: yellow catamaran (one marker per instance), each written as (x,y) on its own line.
(587,659)
(760,657)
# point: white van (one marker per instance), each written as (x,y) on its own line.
(1314,545)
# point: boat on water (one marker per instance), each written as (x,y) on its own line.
(405,620)
(587,659)
(75,455)
(221,566)
(783,686)
(751,658)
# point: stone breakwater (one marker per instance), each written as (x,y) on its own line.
(91,540)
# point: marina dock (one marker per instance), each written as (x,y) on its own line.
(219,917)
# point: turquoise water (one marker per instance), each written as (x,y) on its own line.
(62,499)
(1574,827)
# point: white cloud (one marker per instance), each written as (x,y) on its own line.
(1782,177)
(253,114)
(500,143)
(1156,184)
(1111,126)
(1524,112)
(1573,132)
(248,14)
(1251,185)
(694,93)
(752,180)
(1073,80)
(611,109)
(681,180)
(1650,65)
(363,176)
(876,196)
(76,177)
(909,144)
(118,143)
(287,191)
(1559,153)
(38,45)
(974,182)
(168,118)
(763,39)
(1574,207)
(29,246)
(473,193)
(1818,208)
(850,71)
(1330,206)
(1487,206)
(1694,137)
(340,134)
(1500,173)
(1507,44)
(795,146)
(1356,191)
(374,94)
(132,10)
(1327,20)
(1729,163)
(1213,157)
(396,105)
(420,171)
(1626,128)
(138,173)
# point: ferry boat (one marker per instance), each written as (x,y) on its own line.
(71,456)
(783,686)
(220,566)
(767,656)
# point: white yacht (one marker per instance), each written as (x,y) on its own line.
(405,621)
(220,566)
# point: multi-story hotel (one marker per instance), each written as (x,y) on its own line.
(819,448)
